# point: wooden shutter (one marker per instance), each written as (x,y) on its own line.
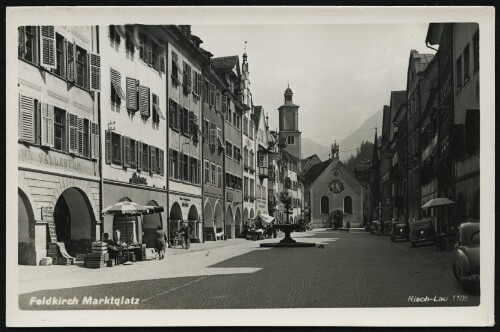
(171,113)
(94,140)
(126,151)
(161,168)
(192,128)
(213,133)
(95,72)
(131,87)
(80,136)
(26,119)
(72,133)
(224,104)
(21,41)
(145,157)
(200,83)
(138,149)
(162,59)
(218,101)
(144,101)
(70,61)
(47,46)
(170,167)
(108,147)
(152,158)
(116,80)
(47,125)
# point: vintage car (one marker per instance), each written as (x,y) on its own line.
(422,231)
(466,254)
(376,228)
(400,230)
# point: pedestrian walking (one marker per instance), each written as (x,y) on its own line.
(160,242)
(184,231)
(348,225)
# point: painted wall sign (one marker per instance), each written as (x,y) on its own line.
(136,179)
(229,197)
(42,158)
(185,204)
(52,230)
(185,199)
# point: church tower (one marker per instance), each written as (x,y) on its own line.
(335,151)
(289,125)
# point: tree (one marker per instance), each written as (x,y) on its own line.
(286,200)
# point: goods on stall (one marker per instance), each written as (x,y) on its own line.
(96,260)
(99,247)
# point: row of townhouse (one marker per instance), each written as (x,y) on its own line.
(429,146)
(135,113)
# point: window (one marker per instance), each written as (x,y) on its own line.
(245,187)
(466,63)
(114,36)
(28,37)
(212,95)
(115,99)
(219,136)
(290,140)
(185,167)
(59,70)
(214,175)
(258,191)
(252,188)
(174,164)
(347,204)
(238,122)
(234,118)
(59,129)
(475,50)
(206,90)
(193,176)
(219,176)
(116,157)
(174,115)
(157,113)
(206,171)
(245,156)
(228,115)
(245,126)
(85,143)
(237,154)
(196,83)
(252,157)
(459,73)
(144,102)
(229,149)
(145,157)
(186,78)
(81,67)
(175,68)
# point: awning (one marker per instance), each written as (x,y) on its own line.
(440,201)
(266,219)
(131,208)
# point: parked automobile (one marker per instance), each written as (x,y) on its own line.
(376,228)
(400,230)
(387,227)
(368,226)
(422,231)
(466,254)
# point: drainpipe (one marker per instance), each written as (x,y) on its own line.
(100,161)
(167,154)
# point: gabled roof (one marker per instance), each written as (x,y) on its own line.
(257,111)
(315,171)
(224,63)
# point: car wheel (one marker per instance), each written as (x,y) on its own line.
(455,272)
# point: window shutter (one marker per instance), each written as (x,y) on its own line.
(213,133)
(95,72)
(131,87)
(80,136)
(72,133)
(21,41)
(47,46)
(47,125)
(116,80)
(94,140)
(224,104)
(192,127)
(178,113)
(161,166)
(109,147)
(144,101)
(145,157)
(149,54)
(70,61)
(26,119)
(170,167)
(152,158)
(162,59)
(218,101)
(126,151)
(171,113)
(200,83)
(138,149)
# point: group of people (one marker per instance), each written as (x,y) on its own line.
(161,239)
(269,231)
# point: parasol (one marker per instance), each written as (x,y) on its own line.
(265,219)
(129,208)
(440,201)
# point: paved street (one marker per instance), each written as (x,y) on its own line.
(353,270)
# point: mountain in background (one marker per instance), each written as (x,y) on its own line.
(310,147)
(366,132)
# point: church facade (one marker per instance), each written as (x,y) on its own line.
(333,195)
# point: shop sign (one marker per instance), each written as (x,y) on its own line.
(229,197)
(136,179)
(261,205)
(185,199)
(52,230)
(48,159)
(185,204)
(47,213)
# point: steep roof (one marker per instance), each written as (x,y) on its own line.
(257,111)
(316,170)
(224,63)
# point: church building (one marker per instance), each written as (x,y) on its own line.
(332,194)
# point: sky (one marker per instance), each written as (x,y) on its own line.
(340,74)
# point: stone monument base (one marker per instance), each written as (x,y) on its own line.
(288,245)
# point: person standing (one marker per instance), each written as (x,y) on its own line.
(160,242)
(184,232)
(348,225)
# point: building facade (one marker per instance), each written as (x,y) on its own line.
(262,148)
(58,150)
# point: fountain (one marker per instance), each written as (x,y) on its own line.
(288,241)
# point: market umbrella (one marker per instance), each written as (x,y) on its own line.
(265,219)
(129,208)
(440,201)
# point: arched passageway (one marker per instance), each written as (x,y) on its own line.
(193,222)
(75,221)
(229,231)
(237,222)
(208,221)
(175,217)
(150,223)
(25,231)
